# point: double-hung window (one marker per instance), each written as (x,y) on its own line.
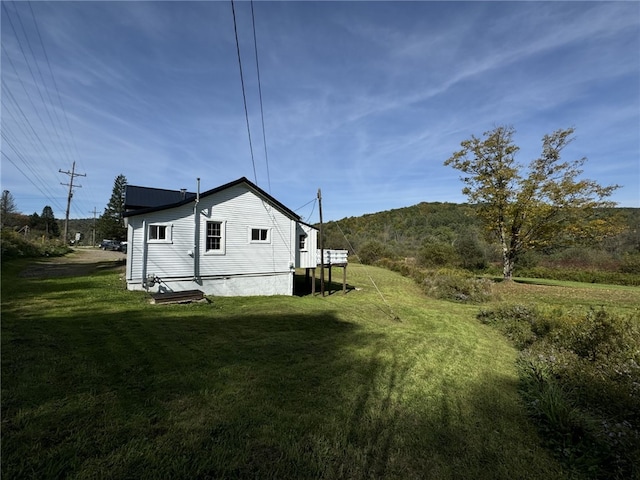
(215,238)
(302,242)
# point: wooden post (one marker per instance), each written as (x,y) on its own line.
(313,281)
(344,279)
(321,245)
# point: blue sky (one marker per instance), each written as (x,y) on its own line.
(364,100)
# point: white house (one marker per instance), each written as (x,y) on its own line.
(235,239)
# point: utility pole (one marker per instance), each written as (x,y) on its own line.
(321,245)
(72,174)
(94,227)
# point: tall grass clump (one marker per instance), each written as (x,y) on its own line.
(457,285)
(454,284)
(581,381)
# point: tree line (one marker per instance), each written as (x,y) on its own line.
(517,215)
(45,227)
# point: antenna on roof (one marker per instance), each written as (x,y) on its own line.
(198,191)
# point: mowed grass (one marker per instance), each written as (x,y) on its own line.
(98,383)
(569,296)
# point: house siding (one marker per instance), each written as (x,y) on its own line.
(245,267)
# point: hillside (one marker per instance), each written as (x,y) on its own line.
(453,231)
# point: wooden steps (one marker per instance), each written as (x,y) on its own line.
(186,296)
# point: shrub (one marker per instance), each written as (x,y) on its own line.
(630,263)
(581,381)
(457,285)
(589,419)
(470,253)
(437,255)
(373,251)
(522,324)
(15,245)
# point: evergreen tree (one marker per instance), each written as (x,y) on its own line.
(7,207)
(49,222)
(111,223)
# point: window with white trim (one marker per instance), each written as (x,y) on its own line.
(260,235)
(159,233)
(302,241)
(214,240)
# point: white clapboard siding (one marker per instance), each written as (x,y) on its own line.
(183,259)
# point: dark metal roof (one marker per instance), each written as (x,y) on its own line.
(136,198)
(191,197)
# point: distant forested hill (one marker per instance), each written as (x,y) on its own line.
(448,233)
(404,230)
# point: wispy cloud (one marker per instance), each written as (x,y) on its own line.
(363,99)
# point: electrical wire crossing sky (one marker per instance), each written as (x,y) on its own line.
(365,100)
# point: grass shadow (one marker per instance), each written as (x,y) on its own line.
(243,388)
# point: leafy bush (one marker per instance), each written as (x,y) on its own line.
(373,251)
(457,285)
(522,324)
(470,253)
(581,381)
(630,263)
(15,245)
(437,255)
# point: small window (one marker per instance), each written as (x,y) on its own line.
(260,235)
(302,242)
(215,238)
(159,233)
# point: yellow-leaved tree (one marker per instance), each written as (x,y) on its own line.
(527,208)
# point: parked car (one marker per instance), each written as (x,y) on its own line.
(111,245)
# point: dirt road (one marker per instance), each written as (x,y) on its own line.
(82,261)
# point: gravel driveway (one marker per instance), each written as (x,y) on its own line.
(82,261)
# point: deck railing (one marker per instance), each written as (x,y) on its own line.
(333,257)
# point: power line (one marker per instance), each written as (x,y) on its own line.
(57,205)
(35,82)
(264,136)
(391,313)
(244,96)
(33,171)
(55,84)
(43,82)
(72,174)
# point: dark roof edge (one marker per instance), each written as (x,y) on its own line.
(287,211)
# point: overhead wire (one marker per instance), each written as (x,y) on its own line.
(55,85)
(57,205)
(314,201)
(11,142)
(391,312)
(70,141)
(26,91)
(264,136)
(37,64)
(58,140)
(244,96)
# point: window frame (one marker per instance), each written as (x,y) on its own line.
(168,232)
(260,230)
(302,242)
(223,228)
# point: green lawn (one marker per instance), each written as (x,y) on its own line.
(98,383)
